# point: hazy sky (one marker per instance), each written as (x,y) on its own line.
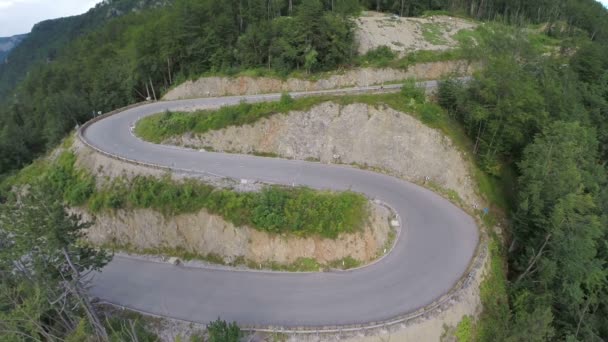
(18,16)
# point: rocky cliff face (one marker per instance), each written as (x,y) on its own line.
(245,85)
(380,138)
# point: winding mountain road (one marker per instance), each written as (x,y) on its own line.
(437,242)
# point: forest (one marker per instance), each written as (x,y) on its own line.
(538,124)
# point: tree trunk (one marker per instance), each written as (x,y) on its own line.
(152,86)
(100,330)
(534,260)
(169,70)
(147,91)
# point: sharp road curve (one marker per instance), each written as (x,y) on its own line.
(436,245)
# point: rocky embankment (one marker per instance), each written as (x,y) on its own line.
(245,85)
(203,234)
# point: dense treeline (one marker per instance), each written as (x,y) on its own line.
(141,54)
(545,116)
(49,38)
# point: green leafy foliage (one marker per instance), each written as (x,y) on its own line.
(433,33)
(220,331)
(464,330)
(157,128)
(381,56)
(42,260)
(300,211)
(544,116)
(101,61)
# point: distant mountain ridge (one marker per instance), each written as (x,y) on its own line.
(49,37)
(7,44)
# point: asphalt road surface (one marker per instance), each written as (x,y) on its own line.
(436,245)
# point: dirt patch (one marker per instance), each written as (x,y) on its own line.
(380,138)
(245,85)
(206,234)
(405,35)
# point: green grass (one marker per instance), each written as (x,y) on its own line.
(465,330)
(494,297)
(345,263)
(542,42)
(299,211)
(159,127)
(382,57)
(433,33)
(471,42)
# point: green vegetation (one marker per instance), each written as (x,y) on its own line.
(109,63)
(345,263)
(68,69)
(433,33)
(536,116)
(43,261)
(464,330)
(537,121)
(300,211)
(384,57)
(159,127)
(220,331)
(380,57)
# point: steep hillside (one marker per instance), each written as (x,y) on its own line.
(141,54)
(7,44)
(48,38)
(535,118)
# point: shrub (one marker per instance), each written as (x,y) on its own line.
(465,330)
(286,100)
(220,331)
(275,209)
(410,90)
(75,186)
(379,57)
(430,113)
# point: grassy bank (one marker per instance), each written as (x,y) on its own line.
(159,127)
(300,211)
